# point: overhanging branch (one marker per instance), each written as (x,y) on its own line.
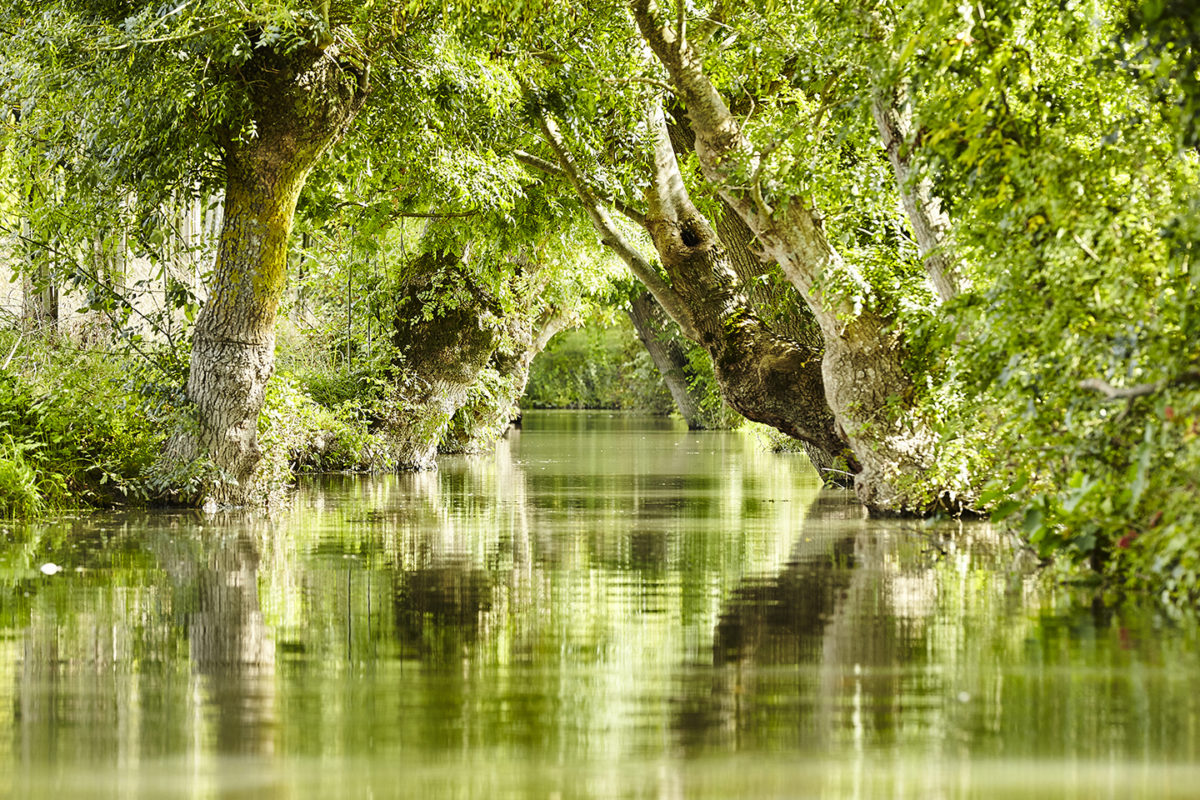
(610,236)
(550,168)
(1111,392)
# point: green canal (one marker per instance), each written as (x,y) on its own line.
(609,606)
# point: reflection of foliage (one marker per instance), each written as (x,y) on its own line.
(439,609)
(568,614)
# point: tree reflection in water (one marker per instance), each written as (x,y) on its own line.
(232,650)
(606,609)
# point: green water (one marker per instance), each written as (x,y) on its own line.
(609,606)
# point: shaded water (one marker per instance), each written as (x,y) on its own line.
(610,606)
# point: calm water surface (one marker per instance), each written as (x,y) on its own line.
(609,606)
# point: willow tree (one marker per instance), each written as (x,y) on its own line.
(299,103)
(243,97)
(867,381)
(763,375)
(702,272)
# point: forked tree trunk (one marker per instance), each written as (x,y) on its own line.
(302,102)
(864,378)
(760,371)
(771,296)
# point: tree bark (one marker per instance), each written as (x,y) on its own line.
(650,322)
(302,102)
(478,425)
(930,223)
(862,367)
(775,300)
(762,376)
(440,359)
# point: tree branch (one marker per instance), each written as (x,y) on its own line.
(1111,392)
(539,163)
(411,215)
(610,236)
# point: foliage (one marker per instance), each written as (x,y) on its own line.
(78,427)
(1067,186)
(1060,140)
(598,366)
(298,434)
(714,413)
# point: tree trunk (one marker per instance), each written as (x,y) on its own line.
(773,298)
(302,102)
(440,359)
(39,292)
(479,424)
(762,376)
(650,322)
(39,305)
(930,223)
(862,368)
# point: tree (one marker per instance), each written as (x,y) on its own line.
(300,103)
(864,362)
(762,375)
(261,93)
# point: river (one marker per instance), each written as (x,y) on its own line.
(609,606)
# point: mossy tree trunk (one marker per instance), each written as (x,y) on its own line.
(301,103)
(442,352)
(483,420)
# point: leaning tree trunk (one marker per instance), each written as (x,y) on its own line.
(760,371)
(865,381)
(771,296)
(440,358)
(930,222)
(650,322)
(302,102)
(762,376)
(480,423)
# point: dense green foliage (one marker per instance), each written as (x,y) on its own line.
(597,367)
(1068,191)
(1054,385)
(83,427)
(76,428)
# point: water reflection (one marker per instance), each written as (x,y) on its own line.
(607,607)
(229,644)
